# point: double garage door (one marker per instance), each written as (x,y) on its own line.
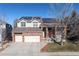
(20,38)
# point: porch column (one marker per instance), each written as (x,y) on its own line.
(13,37)
(46,32)
(55,30)
(65,30)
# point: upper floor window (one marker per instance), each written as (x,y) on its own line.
(35,24)
(23,24)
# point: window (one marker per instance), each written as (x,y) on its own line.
(35,24)
(23,24)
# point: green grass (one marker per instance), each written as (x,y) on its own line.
(68,47)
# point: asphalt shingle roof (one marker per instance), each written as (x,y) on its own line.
(45,20)
(49,20)
(29,18)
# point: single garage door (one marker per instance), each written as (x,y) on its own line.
(31,38)
(18,38)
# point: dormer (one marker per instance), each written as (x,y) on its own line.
(36,23)
(21,23)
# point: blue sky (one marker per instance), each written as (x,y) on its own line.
(13,11)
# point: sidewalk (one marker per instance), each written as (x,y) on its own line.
(59,54)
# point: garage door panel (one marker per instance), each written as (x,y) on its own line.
(31,38)
(18,38)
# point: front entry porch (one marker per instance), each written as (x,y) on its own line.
(58,31)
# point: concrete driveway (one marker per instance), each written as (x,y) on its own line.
(22,49)
(31,49)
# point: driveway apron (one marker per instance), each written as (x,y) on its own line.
(22,49)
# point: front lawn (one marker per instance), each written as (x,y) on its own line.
(53,47)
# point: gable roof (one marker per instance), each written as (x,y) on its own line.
(29,19)
(26,18)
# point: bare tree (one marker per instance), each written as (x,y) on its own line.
(73,27)
(3,17)
(60,11)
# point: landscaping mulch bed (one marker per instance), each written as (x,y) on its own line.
(45,48)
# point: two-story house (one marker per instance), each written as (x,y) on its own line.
(34,29)
(26,29)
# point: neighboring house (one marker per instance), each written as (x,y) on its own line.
(34,29)
(4,32)
(26,29)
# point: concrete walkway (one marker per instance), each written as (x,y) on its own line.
(59,53)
